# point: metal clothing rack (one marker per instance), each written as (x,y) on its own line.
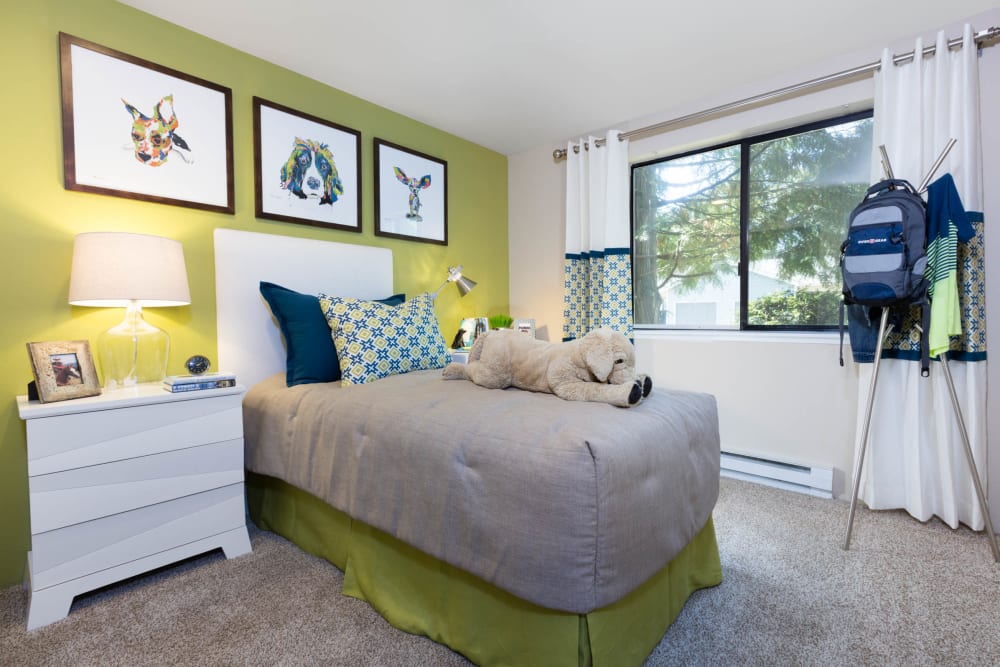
(884,330)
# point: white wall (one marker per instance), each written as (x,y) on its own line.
(536,211)
(785,398)
(779,396)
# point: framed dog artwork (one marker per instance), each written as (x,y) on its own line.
(411,194)
(307,170)
(135,129)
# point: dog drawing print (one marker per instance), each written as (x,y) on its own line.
(310,172)
(415,185)
(154,137)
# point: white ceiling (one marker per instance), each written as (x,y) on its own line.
(518,74)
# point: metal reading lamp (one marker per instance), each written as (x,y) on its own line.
(463,283)
(123,270)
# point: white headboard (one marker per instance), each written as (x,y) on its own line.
(250,342)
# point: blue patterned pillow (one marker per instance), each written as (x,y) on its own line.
(309,352)
(375,341)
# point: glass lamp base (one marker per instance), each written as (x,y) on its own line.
(133,351)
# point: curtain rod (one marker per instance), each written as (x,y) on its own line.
(980,38)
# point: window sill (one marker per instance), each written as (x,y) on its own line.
(735,336)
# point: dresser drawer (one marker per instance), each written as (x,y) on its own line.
(82,494)
(93,438)
(64,554)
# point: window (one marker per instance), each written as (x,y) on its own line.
(775,205)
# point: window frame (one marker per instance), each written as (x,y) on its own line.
(742,268)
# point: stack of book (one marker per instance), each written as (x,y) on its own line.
(178,383)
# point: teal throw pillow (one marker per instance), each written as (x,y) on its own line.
(310,354)
(374,340)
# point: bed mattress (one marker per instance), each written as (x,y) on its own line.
(569,505)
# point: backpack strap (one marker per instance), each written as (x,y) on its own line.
(925,348)
(841,323)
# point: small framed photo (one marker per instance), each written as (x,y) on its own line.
(307,170)
(411,194)
(139,130)
(525,326)
(63,370)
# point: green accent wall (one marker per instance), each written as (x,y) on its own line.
(39,218)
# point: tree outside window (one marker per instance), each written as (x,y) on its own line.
(776,205)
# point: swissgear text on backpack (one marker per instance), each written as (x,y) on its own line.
(883,258)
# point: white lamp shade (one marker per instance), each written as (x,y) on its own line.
(114,269)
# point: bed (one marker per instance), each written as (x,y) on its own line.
(514,527)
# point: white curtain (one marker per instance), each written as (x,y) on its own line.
(916,459)
(598,261)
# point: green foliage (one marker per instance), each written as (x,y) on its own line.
(800,191)
(687,229)
(791,308)
(501,321)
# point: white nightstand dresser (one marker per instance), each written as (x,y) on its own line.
(126,482)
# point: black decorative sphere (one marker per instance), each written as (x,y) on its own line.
(197,364)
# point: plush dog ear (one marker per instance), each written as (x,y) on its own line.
(598,356)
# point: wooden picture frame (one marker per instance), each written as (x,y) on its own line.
(411,194)
(307,170)
(135,129)
(63,370)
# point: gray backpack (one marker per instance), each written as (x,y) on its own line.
(883,258)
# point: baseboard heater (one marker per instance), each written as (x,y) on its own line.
(813,480)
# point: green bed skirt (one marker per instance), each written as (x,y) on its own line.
(425,596)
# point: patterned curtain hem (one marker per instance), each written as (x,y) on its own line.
(598,292)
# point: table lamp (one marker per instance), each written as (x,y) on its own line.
(463,283)
(130,271)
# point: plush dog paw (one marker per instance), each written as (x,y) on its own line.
(454,371)
(647,385)
(635,395)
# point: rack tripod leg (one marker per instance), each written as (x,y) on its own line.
(883,331)
(943,358)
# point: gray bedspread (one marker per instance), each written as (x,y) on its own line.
(568,505)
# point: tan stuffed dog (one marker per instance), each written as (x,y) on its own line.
(598,367)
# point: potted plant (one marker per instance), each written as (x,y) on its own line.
(501,321)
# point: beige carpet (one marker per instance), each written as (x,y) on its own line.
(906,594)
